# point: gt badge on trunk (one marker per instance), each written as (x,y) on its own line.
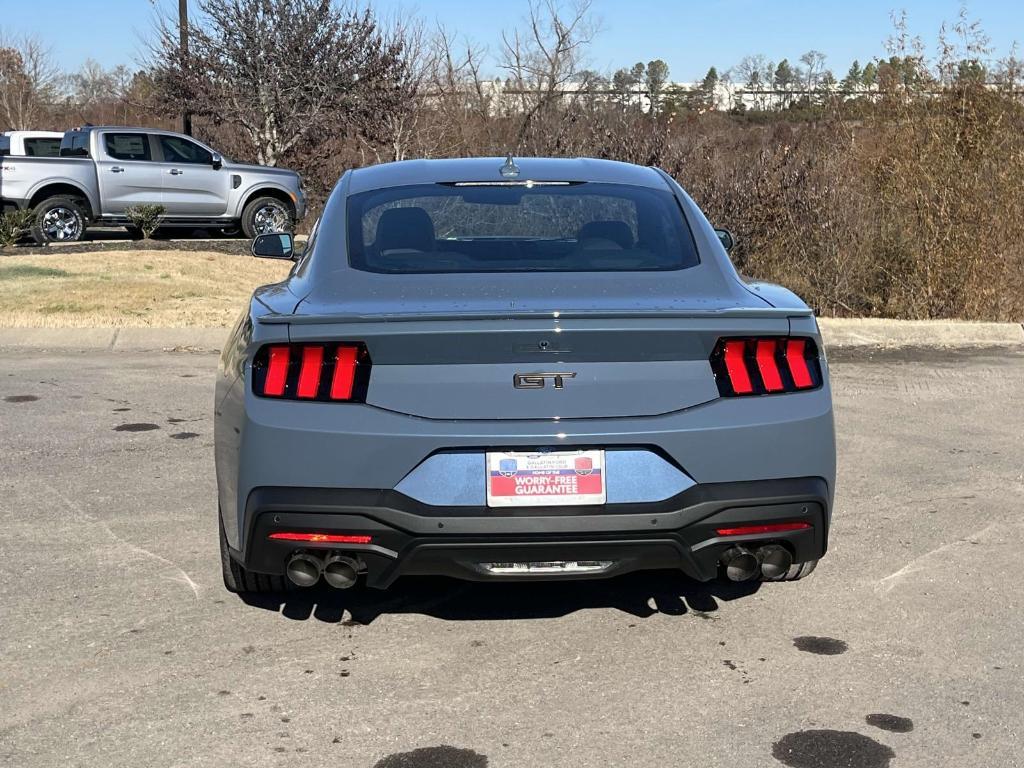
(539,380)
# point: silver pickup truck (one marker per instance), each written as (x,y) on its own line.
(103,171)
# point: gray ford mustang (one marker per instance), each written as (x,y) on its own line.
(519,369)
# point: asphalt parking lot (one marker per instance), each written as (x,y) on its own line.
(120,647)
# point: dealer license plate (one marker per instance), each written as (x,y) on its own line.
(557,478)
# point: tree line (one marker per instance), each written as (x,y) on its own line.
(893,191)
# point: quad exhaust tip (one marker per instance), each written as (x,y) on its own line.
(775,561)
(771,562)
(341,571)
(740,564)
(304,570)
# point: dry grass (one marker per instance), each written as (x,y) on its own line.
(170,289)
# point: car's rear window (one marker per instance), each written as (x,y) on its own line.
(521,227)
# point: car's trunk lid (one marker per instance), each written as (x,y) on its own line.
(472,346)
(531,368)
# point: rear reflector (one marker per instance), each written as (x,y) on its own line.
(747,530)
(765,366)
(325,372)
(321,538)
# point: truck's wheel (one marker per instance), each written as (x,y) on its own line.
(241,581)
(265,215)
(58,220)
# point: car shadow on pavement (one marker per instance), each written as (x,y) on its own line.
(642,595)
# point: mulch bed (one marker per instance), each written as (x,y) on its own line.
(233,247)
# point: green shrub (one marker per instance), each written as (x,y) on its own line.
(145,218)
(14,225)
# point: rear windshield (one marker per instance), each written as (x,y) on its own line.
(525,227)
(5,146)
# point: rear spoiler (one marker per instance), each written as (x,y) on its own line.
(346,317)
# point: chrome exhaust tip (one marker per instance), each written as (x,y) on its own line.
(740,564)
(304,570)
(775,561)
(341,571)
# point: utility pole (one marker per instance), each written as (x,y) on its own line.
(186,117)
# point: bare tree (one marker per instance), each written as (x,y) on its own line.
(545,59)
(397,109)
(287,72)
(459,101)
(93,84)
(28,82)
(753,73)
(814,63)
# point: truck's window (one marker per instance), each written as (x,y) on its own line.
(177,150)
(42,147)
(5,146)
(127,146)
(75,144)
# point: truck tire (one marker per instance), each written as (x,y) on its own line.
(239,580)
(58,220)
(265,215)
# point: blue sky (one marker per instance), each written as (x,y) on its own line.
(689,35)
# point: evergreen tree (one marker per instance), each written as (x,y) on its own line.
(657,76)
(870,75)
(708,86)
(854,79)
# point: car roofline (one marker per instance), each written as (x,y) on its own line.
(488,169)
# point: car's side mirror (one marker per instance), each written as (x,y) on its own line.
(217,162)
(274,245)
(727,239)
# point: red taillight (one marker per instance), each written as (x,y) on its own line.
(766,365)
(309,374)
(736,367)
(344,373)
(277,371)
(321,538)
(798,364)
(324,372)
(747,530)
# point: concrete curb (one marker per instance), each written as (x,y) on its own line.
(875,332)
(837,332)
(115,339)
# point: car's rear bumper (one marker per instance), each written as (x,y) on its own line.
(411,538)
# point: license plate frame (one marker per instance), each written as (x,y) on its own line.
(545,478)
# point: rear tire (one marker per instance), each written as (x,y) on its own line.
(238,579)
(266,215)
(58,220)
(798,571)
